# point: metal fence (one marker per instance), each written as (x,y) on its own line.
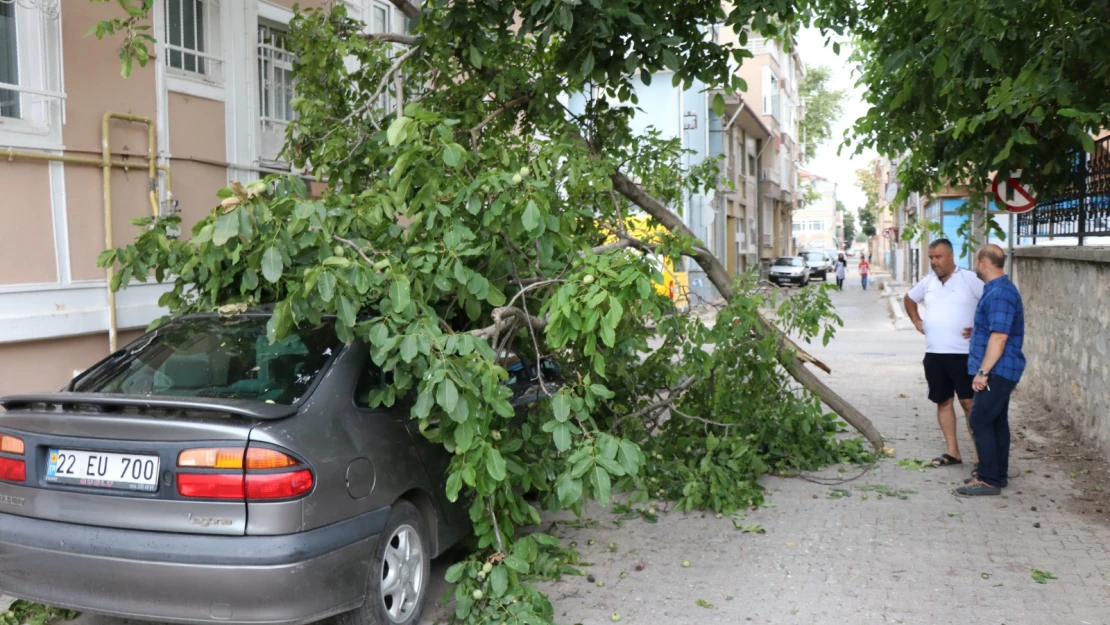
(1082,211)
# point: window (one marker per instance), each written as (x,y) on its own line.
(816,226)
(192,38)
(32,107)
(380,19)
(770,93)
(229,358)
(9,61)
(275,89)
(799,226)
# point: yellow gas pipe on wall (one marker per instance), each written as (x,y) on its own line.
(106,164)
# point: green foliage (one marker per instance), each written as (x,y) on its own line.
(474,220)
(136,33)
(1042,577)
(27,613)
(823,107)
(975,87)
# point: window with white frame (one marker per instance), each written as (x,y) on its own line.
(770,93)
(9,62)
(192,38)
(275,89)
(799,226)
(31,96)
(816,226)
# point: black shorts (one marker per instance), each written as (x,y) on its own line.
(947,375)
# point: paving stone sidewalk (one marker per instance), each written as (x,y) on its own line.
(929,559)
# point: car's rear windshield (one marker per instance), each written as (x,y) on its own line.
(217,357)
(788,262)
(815,256)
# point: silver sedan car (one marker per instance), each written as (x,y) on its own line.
(202,474)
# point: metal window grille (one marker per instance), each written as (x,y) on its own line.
(9,62)
(190,34)
(275,89)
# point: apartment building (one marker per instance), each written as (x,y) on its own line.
(816,222)
(772,77)
(211,106)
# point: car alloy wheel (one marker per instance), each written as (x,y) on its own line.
(400,569)
(402,573)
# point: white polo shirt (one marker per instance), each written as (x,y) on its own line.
(949,308)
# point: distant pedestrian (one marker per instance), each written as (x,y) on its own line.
(841,269)
(997,362)
(950,295)
(864,272)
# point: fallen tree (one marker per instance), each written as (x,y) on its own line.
(470,210)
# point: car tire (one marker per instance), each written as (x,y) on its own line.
(393,578)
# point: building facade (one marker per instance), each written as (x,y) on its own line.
(210,107)
(817,225)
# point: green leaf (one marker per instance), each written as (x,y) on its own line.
(499,581)
(602,391)
(629,457)
(561,434)
(1070,112)
(612,466)
(940,66)
(719,105)
(568,489)
(476,57)
(423,406)
(464,435)
(227,228)
(670,61)
(272,265)
(396,132)
(531,218)
(346,310)
(495,464)
(250,280)
(399,293)
(1088,143)
(560,404)
(599,481)
(325,284)
(409,348)
(447,396)
(516,564)
(455,572)
(453,155)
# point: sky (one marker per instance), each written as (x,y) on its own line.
(839,169)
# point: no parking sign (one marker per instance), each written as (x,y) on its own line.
(1013,196)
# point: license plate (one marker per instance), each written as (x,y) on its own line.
(99,469)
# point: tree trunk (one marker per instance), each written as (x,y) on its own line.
(718,275)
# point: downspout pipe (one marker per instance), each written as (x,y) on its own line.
(106,168)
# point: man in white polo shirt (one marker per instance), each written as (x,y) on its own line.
(951,295)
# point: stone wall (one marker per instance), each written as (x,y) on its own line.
(1066,291)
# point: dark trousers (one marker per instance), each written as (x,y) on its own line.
(840,283)
(990,426)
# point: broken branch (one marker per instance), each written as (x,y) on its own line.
(716,273)
(522,100)
(506,316)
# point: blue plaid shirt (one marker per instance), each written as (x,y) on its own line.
(1000,310)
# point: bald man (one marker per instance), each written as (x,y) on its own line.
(996,361)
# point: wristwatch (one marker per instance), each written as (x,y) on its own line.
(983,373)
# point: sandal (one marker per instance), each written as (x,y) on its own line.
(944,460)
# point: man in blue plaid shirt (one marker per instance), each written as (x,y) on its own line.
(997,363)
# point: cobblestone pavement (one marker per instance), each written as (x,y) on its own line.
(928,559)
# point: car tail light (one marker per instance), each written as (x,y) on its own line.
(11,444)
(257,473)
(278,485)
(211,459)
(211,485)
(260,458)
(13,470)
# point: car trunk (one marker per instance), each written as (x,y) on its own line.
(111,460)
